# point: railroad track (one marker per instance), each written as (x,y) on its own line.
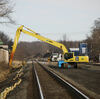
(52,86)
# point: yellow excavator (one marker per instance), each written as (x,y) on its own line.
(69,57)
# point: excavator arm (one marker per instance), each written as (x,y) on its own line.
(68,57)
(36,35)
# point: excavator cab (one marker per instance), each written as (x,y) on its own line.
(68,55)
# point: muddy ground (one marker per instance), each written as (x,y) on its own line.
(4,71)
(25,89)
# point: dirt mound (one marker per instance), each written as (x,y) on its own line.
(4,71)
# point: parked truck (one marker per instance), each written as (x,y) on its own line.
(55,57)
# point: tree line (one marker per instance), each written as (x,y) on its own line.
(39,49)
(93,41)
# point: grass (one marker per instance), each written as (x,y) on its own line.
(4,71)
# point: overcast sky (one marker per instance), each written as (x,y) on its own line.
(54,18)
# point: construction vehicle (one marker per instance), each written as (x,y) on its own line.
(68,57)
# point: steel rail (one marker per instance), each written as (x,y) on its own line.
(76,92)
(39,85)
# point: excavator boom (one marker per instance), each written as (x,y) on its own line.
(36,35)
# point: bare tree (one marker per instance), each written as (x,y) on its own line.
(94,41)
(5,11)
